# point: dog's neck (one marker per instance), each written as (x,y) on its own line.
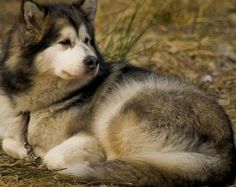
(44,92)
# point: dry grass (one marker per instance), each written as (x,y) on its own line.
(193,40)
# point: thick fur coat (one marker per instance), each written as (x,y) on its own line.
(106,122)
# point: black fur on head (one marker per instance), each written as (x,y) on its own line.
(34,31)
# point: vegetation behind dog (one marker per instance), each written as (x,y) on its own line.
(193,40)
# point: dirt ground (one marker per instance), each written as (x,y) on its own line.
(200,49)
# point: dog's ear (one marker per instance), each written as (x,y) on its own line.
(89,7)
(32,15)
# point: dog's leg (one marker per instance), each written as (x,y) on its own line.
(6,114)
(11,127)
(13,142)
(79,149)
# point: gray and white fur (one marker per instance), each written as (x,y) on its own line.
(106,122)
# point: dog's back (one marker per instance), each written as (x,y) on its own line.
(159,131)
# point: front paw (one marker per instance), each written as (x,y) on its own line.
(14,148)
(54,160)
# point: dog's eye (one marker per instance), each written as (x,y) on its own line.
(87,41)
(65,42)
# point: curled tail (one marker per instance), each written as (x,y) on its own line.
(158,169)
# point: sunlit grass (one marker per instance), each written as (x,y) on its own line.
(118,39)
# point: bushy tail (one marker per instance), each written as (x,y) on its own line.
(158,169)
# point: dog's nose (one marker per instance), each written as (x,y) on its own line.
(91,62)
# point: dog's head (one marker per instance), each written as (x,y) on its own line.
(61,38)
(53,39)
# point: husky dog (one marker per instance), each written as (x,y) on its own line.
(107,122)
